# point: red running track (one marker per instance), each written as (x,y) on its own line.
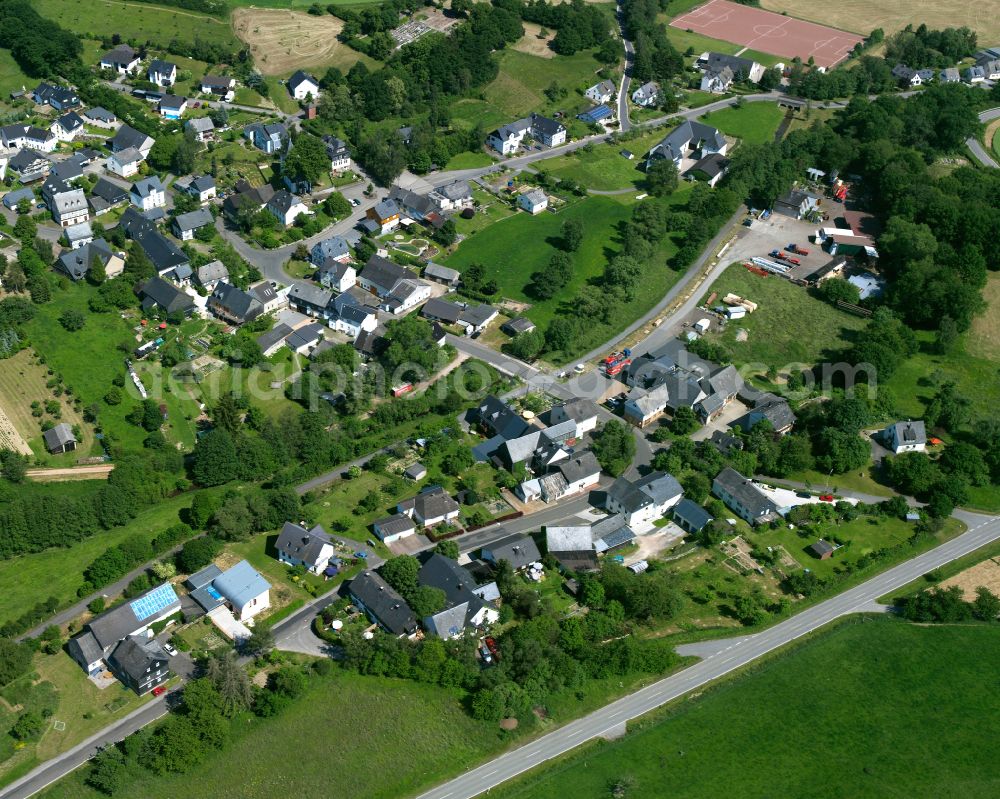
(769,32)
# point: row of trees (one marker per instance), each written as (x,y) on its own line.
(49,516)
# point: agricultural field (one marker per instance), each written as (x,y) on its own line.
(27,579)
(863,695)
(983,340)
(440,739)
(753,123)
(534,43)
(283,41)
(23,381)
(789,326)
(141,21)
(863,16)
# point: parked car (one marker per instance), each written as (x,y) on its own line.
(803,494)
(169,649)
(826,497)
(159,690)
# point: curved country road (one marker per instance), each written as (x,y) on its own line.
(611,719)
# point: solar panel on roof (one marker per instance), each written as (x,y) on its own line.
(154,602)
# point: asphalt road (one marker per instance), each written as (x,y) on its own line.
(978,151)
(611,718)
(623,89)
(56,768)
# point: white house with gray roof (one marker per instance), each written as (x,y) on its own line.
(601,92)
(509,138)
(689,140)
(641,502)
(905,437)
(245,590)
(298,546)
(647,95)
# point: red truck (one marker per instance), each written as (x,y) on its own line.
(617,361)
(795,248)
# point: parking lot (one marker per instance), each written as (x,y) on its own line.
(775,233)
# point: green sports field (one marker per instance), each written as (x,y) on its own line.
(876,709)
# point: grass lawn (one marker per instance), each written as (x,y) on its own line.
(882,688)
(11,77)
(603,167)
(344,725)
(142,21)
(489,210)
(754,123)
(27,579)
(278,94)
(519,88)
(534,239)
(469,161)
(82,708)
(865,483)
(522,234)
(915,381)
(789,326)
(90,359)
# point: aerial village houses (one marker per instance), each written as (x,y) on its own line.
(102,635)
(689,140)
(647,95)
(222,87)
(162,73)
(643,501)
(60,98)
(509,138)
(303,86)
(601,92)
(298,546)
(431,507)
(905,437)
(122,59)
(382,604)
(744,498)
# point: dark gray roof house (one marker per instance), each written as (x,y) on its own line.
(107,194)
(580,467)
(140,663)
(743,497)
(127,137)
(59,438)
(691,516)
(211,273)
(518,550)
(333,248)
(383,275)
(382,603)
(191,221)
(690,135)
(158,293)
(296,543)
(164,254)
(233,304)
(76,263)
(518,325)
(498,417)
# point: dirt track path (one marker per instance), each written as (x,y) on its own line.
(96,472)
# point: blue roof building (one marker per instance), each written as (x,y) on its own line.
(596,114)
(244,589)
